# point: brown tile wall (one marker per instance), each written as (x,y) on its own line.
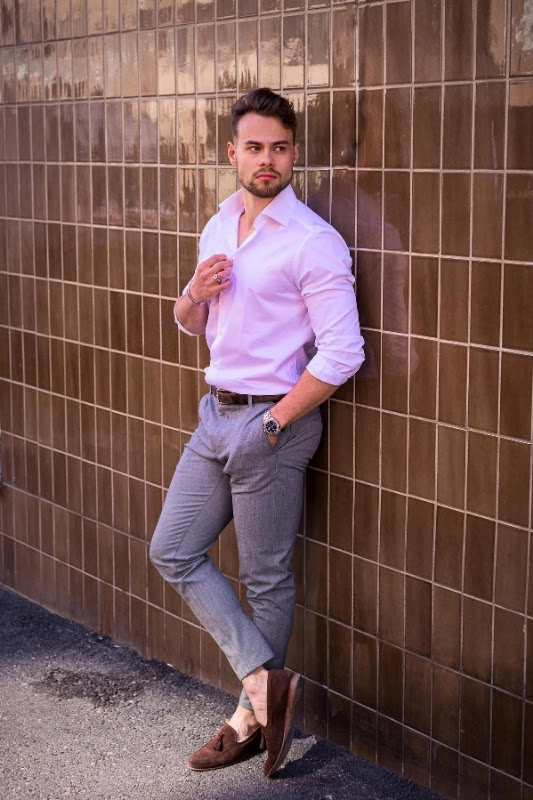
(414,627)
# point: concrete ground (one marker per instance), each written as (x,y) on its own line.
(82,717)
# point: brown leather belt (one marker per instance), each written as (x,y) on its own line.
(226,398)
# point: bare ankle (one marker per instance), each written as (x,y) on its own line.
(243,722)
(255,685)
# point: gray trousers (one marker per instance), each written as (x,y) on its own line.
(229,469)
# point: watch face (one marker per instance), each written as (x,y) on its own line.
(272,427)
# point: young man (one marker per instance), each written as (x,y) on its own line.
(273,293)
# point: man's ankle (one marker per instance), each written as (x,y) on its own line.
(243,722)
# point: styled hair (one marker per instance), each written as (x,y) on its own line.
(266,103)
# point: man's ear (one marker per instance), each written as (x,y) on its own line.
(296,151)
(231,153)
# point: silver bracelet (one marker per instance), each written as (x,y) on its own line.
(191,298)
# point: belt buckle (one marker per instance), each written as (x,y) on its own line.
(221,397)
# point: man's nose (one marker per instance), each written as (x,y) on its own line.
(266,156)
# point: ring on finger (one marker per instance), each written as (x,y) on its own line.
(216,278)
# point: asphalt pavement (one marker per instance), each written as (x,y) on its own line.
(84,717)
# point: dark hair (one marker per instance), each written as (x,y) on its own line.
(266,103)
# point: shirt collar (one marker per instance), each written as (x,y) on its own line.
(280,209)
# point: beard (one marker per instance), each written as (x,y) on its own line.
(269,190)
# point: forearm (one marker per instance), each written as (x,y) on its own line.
(211,277)
(308,393)
(191,316)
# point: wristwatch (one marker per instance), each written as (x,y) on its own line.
(270,425)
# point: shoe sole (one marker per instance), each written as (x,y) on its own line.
(295,690)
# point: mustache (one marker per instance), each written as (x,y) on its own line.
(269,170)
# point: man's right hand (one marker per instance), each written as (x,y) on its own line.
(211,277)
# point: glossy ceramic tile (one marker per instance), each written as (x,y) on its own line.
(415,127)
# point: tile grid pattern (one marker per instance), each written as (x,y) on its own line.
(416,564)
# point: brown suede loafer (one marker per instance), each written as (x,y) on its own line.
(224,749)
(283,691)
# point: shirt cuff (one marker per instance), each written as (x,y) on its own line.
(333,373)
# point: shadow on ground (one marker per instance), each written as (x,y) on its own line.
(85,718)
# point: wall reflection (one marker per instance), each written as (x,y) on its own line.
(360,219)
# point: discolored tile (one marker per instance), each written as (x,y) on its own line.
(521,58)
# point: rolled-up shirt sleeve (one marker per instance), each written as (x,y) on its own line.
(324,278)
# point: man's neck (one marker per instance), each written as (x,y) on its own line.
(253,206)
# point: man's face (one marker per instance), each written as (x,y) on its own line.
(264,153)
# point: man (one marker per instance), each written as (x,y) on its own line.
(273,293)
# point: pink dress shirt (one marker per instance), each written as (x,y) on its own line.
(291,304)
